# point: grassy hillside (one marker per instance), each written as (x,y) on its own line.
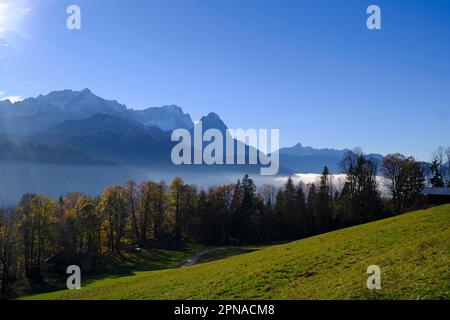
(413,251)
(113,266)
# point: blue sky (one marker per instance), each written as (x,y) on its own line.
(310,68)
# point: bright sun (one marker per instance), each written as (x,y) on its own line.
(11,13)
(4,13)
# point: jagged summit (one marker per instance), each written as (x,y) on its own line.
(37,115)
(213,121)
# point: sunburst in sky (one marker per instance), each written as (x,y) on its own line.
(3,15)
(12,13)
(256,63)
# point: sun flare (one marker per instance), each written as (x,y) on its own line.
(4,7)
(11,14)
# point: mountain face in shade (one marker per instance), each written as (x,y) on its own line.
(112,137)
(11,152)
(97,124)
(5,104)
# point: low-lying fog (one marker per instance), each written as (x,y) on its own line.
(56,180)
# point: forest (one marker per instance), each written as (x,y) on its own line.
(152,214)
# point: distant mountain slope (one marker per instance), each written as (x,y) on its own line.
(45,154)
(299,150)
(97,124)
(310,164)
(112,137)
(309,160)
(412,250)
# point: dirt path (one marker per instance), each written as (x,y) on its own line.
(193,260)
(214,254)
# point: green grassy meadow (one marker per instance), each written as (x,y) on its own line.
(412,250)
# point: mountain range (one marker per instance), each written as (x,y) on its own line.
(110,132)
(36,115)
(75,140)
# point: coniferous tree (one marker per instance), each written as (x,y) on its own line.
(324,205)
(304,220)
(361,193)
(280,214)
(312,205)
(292,214)
(247,208)
(436,179)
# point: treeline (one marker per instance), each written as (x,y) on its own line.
(149,212)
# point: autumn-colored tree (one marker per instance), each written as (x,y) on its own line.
(144,210)
(79,225)
(7,250)
(112,205)
(176,192)
(405,180)
(90,222)
(159,205)
(37,226)
(131,197)
(393,171)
